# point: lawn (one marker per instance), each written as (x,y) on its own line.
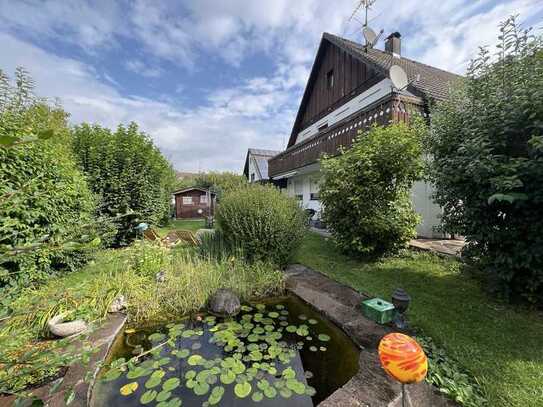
(500,345)
(186,224)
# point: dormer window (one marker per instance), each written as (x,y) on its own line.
(330,79)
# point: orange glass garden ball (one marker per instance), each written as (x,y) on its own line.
(403,358)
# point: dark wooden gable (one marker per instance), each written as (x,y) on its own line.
(351,77)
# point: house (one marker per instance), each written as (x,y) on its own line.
(256,164)
(349,89)
(194,203)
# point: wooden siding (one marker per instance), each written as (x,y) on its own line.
(186,211)
(351,77)
(390,110)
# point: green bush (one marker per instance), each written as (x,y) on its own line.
(487,144)
(45,205)
(129,174)
(262,222)
(365,190)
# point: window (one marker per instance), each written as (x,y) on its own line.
(187,200)
(298,190)
(253,177)
(203,199)
(314,189)
(330,79)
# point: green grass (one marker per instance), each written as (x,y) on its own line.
(186,224)
(499,344)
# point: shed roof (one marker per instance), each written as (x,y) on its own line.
(181,191)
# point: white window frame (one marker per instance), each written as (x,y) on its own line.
(187,200)
(203,199)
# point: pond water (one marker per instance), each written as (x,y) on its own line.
(279,352)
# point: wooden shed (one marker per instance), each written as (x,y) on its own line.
(194,203)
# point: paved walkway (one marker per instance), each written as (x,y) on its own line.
(448,247)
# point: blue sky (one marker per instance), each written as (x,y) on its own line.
(207,79)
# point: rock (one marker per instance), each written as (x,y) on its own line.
(62,329)
(224,303)
(118,304)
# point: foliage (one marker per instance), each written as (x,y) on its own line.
(449,377)
(365,190)
(264,223)
(87,294)
(220,182)
(499,345)
(129,174)
(487,144)
(249,355)
(45,205)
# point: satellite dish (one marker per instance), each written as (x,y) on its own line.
(398,77)
(370,36)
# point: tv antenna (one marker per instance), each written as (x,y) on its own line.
(399,78)
(370,35)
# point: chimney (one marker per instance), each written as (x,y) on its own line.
(393,44)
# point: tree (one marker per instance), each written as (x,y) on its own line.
(365,189)
(45,204)
(487,145)
(220,182)
(132,178)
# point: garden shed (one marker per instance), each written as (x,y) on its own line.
(194,202)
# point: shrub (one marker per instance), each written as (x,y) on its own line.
(365,190)
(44,199)
(132,178)
(487,144)
(261,221)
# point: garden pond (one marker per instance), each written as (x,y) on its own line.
(277,352)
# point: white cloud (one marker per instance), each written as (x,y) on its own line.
(139,67)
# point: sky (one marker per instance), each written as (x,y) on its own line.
(207,79)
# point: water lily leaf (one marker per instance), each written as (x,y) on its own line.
(257,397)
(270,392)
(285,392)
(273,314)
(157,337)
(280,306)
(171,383)
(313,348)
(129,331)
(289,373)
(242,390)
(323,348)
(216,395)
(324,338)
(138,372)
(227,377)
(200,388)
(163,396)
(238,367)
(312,321)
(196,346)
(195,360)
(128,389)
(155,379)
(260,307)
(175,402)
(296,386)
(111,375)
(148,396)
(182,353)
(310,391)
(246,308)
(191,374)
(291,328)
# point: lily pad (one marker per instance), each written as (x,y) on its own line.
(163,396)
(182,353)
(138,372)
(148,396)
(200,388)
(324,338)
(216,395)
(270,392)
(257,397)
(242,390)
(128,389)
(227,377)
(312,321)
(157,337)
(112,374)
(171,383)
(195,360)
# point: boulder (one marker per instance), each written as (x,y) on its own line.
(62,329)
(224,303)
(118,304)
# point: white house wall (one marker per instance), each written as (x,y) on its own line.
(420,194)
(253,170)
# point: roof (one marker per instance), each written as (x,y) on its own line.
(433,83)
(181,191)
(261,157)
(262,152)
